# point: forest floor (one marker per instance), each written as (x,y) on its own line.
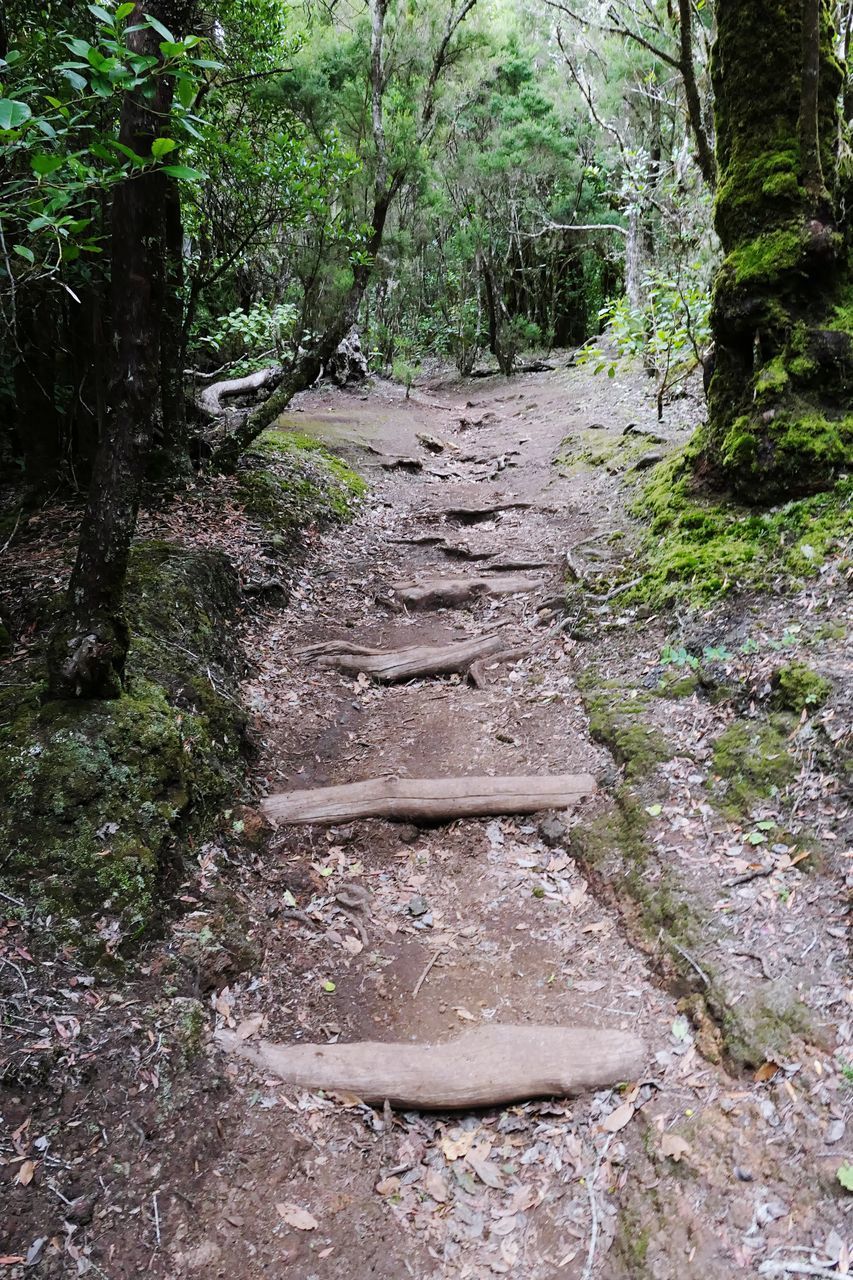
(697,902)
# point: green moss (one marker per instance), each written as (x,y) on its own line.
(771,380)
(616,720)
(798,688)
(766,257)
(751,758)
(697,550)
(299,481)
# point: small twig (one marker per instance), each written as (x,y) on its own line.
(693,964)
(593,1205)
(156,1219)
(795,1269)
(420,980)
(7,896)
(751,875)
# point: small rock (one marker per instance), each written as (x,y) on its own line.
(743,1175)
(647,461)
(552,830)
(417,906)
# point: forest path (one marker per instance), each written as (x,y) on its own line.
(375,930)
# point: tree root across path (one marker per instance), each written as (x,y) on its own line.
(389,665)
(481,1068)
(428,799)
(440,593)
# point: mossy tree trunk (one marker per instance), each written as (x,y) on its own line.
(779,406)
(90,641)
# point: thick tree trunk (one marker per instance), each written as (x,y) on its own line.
(779,420)
(89,645)
(170,461)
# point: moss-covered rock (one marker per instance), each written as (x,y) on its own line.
(797,688)
(290,480)
(752,762)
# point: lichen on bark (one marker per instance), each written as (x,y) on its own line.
(779,424)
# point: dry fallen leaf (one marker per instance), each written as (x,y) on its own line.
(26,1173)
(619,1118)
(388,1186)
(674,1146)
(435,1186)
(296,1217)
(486,1170)
(463,1013)
(249,1026)
(352,945)
(453,1148)
(766,1072)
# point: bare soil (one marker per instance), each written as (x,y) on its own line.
(132,1147)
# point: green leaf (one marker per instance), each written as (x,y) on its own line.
(12,113)
(24,252)
(845,1176)
(159,28)
(330,986)
(654,810)
(206,64)
(101,14)
(43,165)
(123,10)
(186,91)
(75,80)
(162,146)
(181,171)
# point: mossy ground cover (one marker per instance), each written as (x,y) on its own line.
(696,550)
(102,797)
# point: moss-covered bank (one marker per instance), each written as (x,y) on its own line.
(696,550)
(102,798)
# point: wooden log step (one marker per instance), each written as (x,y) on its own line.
(484,1067)
(389,665)
(450,593)
(428,799)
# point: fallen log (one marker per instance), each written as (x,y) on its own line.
(210,399)
(444,593)
(473,515)
(484,1067)
(428,799)
(389,665)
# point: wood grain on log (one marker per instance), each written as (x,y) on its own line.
(389,665)
(483,1067)
(438,593)
(428,799)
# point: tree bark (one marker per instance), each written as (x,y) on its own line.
(704,151)
(89,645)
(779,421)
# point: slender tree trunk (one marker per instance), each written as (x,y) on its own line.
(704,151)
(89,645)
(779,402)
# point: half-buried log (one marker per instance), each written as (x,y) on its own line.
(443,593)
(428,799)
(481,1068)
(388,665)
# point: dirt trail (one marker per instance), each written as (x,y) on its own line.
(487,920)
(714,930)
